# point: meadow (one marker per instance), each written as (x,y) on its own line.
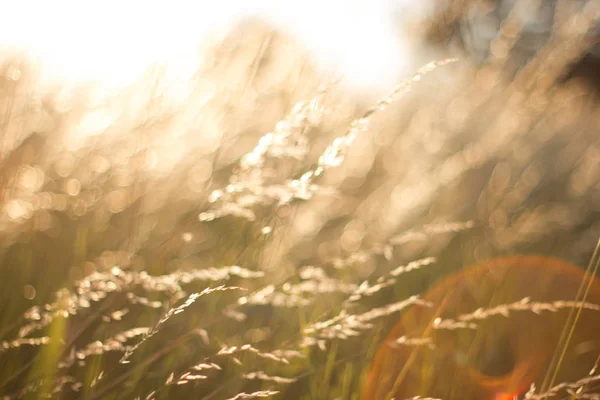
(256,231)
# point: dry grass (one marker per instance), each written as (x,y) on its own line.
(160,245)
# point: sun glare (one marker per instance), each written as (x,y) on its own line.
(114,42)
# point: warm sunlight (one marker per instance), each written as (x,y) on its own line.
(114,41)
(297,200)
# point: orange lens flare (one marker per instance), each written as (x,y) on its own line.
(504,396)
(492,331)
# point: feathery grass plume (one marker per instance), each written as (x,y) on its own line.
(525,304)
(117,211)
(173,311)
(346,325)
(255,395)
(572,388)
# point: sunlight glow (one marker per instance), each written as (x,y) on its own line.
(115,41)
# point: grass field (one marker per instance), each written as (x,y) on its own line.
(256,231)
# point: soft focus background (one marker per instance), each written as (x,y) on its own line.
(116,41)
(202,201)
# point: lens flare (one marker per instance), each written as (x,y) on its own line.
(491,332)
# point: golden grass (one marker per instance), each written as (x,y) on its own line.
(257,234)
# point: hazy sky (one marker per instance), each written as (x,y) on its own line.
(114,40)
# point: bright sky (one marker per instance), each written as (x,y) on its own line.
(114,40)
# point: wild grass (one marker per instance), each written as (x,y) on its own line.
(254,232)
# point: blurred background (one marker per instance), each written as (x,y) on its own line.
(151,151)
(115,42)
